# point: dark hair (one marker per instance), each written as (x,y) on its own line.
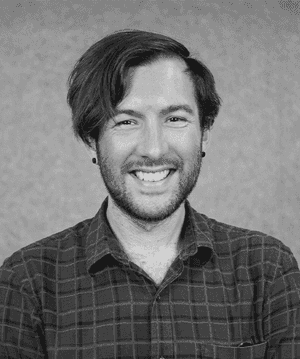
(97,84)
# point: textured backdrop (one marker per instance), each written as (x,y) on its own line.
(250,177)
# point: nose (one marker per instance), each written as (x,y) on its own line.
(153,142)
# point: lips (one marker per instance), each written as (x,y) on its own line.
(152,176)
(153,188)
(149,170)
(169,170)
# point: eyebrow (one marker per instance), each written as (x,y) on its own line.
(163,112)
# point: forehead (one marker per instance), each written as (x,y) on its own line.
(163,82)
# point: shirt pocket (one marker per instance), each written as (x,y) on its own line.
(212,351)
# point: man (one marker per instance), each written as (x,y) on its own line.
(148,276)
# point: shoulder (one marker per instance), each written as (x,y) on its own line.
(223,233)
(40,256)
(251,249)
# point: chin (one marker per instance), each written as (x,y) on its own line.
(149,209)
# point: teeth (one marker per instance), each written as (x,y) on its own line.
(152,176)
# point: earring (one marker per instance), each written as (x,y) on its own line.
(203,154)
(94,160)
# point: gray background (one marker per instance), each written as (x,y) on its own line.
(250,177)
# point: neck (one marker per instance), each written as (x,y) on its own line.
(142,236)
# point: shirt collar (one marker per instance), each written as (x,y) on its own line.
(196,238)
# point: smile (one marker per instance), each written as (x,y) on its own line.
(153,181)
(152,176)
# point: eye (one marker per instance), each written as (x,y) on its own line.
(177,119)
(171,119)
(122,122)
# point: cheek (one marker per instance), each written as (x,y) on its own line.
(111,149)
(115,157)
(186,143)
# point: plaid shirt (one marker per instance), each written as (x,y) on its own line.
(76,295)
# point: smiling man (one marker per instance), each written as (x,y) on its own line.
(150,158)
(148,276)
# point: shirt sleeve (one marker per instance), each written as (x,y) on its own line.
(282,311)
(20,326)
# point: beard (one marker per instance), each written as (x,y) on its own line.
(143,210)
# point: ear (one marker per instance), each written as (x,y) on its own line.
(206,137)
(91,152)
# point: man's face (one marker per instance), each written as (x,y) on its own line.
(150,136)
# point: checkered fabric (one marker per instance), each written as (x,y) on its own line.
(75,294)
